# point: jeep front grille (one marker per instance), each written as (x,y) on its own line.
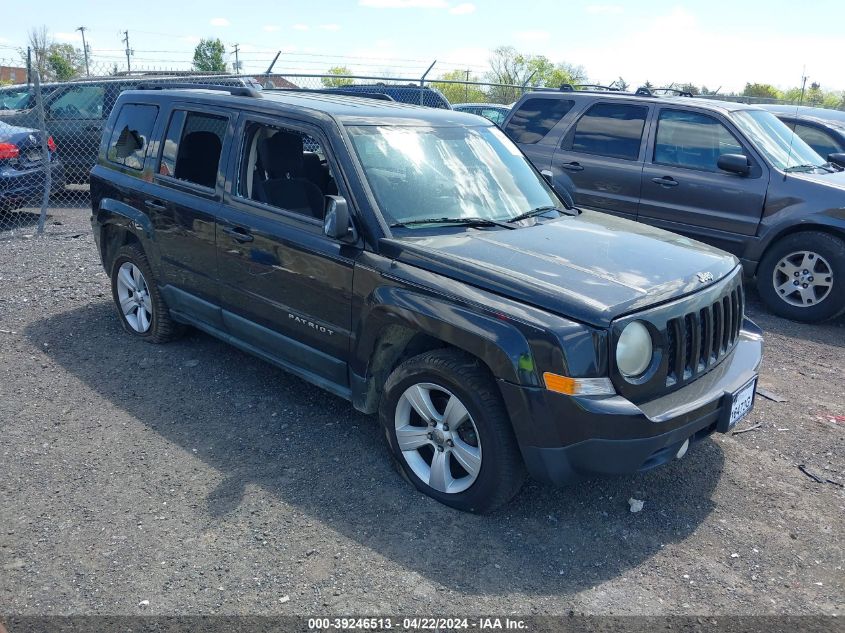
(699,340)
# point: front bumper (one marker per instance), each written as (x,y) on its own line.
(564,437)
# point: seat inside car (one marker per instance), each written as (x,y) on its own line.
(281,157)
(198,158)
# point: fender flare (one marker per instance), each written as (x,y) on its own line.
(111,212)
(496,342)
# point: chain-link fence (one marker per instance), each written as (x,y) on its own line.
(50,133)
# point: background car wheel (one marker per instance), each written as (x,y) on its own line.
(802,276)
(449,431)
(140,306)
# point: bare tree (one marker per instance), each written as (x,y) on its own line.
(39,42)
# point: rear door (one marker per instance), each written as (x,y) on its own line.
(286,288)
(684,191)
(599,160)
(183,203)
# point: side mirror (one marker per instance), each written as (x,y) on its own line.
(837,159)
(734,163)
(336,223)
(549,176)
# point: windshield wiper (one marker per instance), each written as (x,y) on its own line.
(470,221)
(536,211)
(802,167)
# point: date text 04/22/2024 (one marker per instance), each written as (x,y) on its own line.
(417,624)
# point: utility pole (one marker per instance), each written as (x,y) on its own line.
(28,66)
(466,88)
(129,51)
(237,63)
(81,29)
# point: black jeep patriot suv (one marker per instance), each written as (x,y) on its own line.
(412,261)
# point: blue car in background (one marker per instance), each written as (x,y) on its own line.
(491,111)
(23,168)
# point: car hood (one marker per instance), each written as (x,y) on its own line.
(592,268)
(833,181)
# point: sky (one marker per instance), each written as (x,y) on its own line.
(717,43)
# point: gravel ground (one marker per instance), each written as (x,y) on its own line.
(203,480)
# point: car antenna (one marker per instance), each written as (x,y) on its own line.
(795,125)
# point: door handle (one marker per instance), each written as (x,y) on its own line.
(155,204)
(573,166)
(666,181)
(237,233)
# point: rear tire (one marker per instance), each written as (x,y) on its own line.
(461,449)
(802,277)
(140,306)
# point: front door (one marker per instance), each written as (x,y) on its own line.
(74,118)
(286,288)
(684,191)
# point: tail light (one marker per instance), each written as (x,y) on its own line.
(8,150)
(51,143)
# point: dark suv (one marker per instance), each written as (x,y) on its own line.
(728,174)
(412,261)
(407,93)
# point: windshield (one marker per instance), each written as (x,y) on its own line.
(775,140)
(14,100)
(448,172)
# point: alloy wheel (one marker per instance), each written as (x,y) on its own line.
(134,297)
(803,278)
(438,438)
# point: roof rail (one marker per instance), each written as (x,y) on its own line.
(656,92)
(380,96)
(587,87)
(235,91)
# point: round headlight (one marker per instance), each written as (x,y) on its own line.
(633,349)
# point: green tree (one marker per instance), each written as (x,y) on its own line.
(766,91)
(53,61)
(208,56)
(621,84)
(337,79)
(690,88)
(509,66)
(460,93)
(64,62)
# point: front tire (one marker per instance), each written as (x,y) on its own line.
(802,277)
(448,429)
(140,306)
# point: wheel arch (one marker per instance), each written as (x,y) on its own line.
(793,229)
(121,224)
(401,323)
